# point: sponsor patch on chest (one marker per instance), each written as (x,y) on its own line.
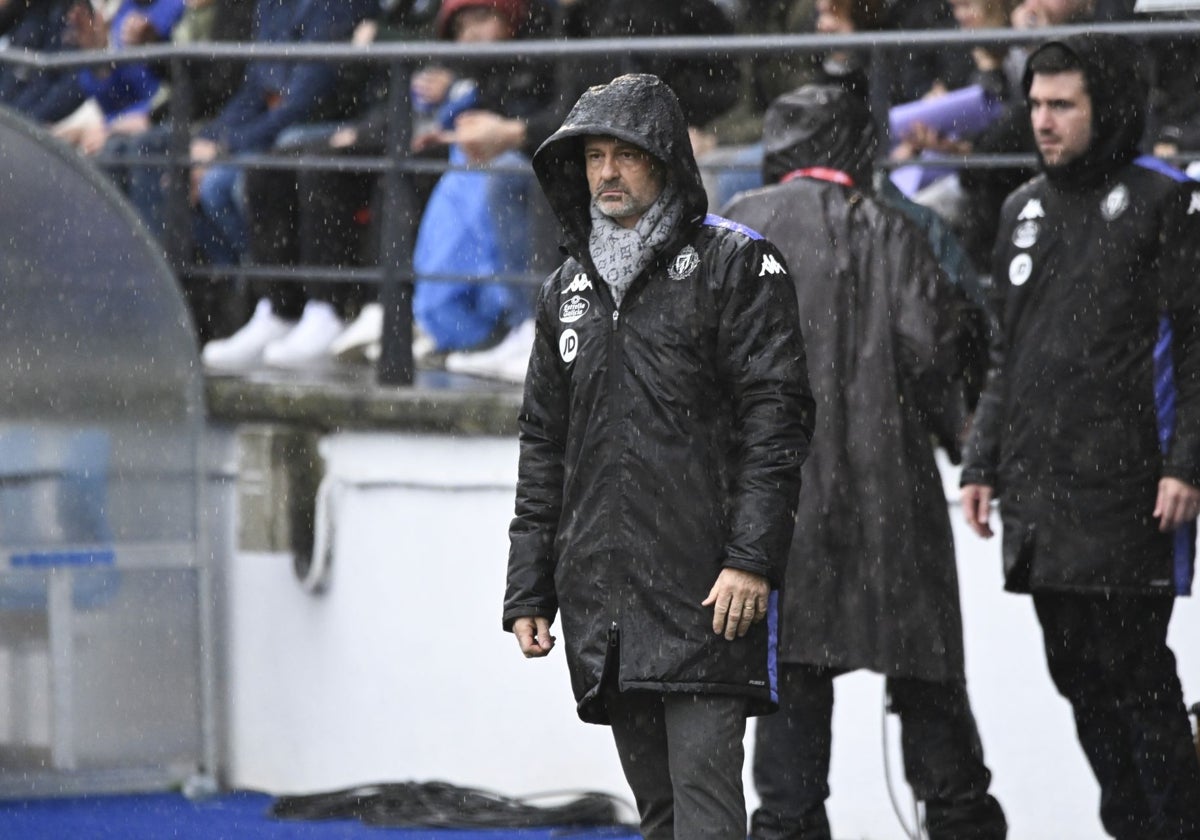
(573,309)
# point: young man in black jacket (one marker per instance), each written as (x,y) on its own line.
(1088,430)
(665,419)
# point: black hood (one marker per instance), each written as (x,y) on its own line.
(1118,90)
(637,108)
(819,125)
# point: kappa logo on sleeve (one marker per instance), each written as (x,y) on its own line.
(1194,207)
(579,283)
(1031,210)
(770,265)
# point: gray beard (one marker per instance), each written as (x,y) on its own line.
(620,254)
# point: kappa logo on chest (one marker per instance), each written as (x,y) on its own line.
(579,283)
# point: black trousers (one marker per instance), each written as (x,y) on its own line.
(682,755)
(943,759)
(309,217)
(1108,656)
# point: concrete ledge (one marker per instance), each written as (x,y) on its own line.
(437,402)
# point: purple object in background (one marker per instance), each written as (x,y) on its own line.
(955,114)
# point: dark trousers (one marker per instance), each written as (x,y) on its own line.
(943,759)
(1108,656)
(682,755)
(309,217)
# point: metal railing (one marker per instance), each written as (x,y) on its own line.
(396,209)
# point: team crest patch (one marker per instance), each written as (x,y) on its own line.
(1194,207)
(1025,235)
(568,345)
(1115,202)
(685,263)
(1020,269)
(573,309)
(579,283)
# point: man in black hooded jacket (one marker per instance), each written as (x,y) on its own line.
(871,582)
(1088,430)
(665,419)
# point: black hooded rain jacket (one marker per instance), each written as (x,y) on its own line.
(660,441)
(1094,389)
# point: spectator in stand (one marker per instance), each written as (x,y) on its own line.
(910,75)
(983,93)
(125,92)
(275,95)
(272,96)
(318,217)
(210,84)
(44,96)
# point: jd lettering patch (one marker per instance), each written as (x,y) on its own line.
(568,345)
(1020,269)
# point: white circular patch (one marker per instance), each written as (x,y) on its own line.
(1020,269)
(568,345)
(1025,234)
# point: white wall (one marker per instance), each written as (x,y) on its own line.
(400,671)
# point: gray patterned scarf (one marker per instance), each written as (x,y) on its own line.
(620,253)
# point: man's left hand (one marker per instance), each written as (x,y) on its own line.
(1178,503)
(738,599)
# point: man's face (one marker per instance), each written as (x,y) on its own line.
(1061,114)
(623,179)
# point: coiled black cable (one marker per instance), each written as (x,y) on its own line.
(443,805)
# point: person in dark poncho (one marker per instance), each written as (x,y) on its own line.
(871,579)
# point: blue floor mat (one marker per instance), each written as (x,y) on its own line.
(229,816)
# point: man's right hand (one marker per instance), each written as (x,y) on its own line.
(977,508)
(533,635)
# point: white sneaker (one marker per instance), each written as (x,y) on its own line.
(309,341)
(507,361)
(355,341)
(244,348)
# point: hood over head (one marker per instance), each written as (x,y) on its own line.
(1114,77)
(819,125)
(638,108)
